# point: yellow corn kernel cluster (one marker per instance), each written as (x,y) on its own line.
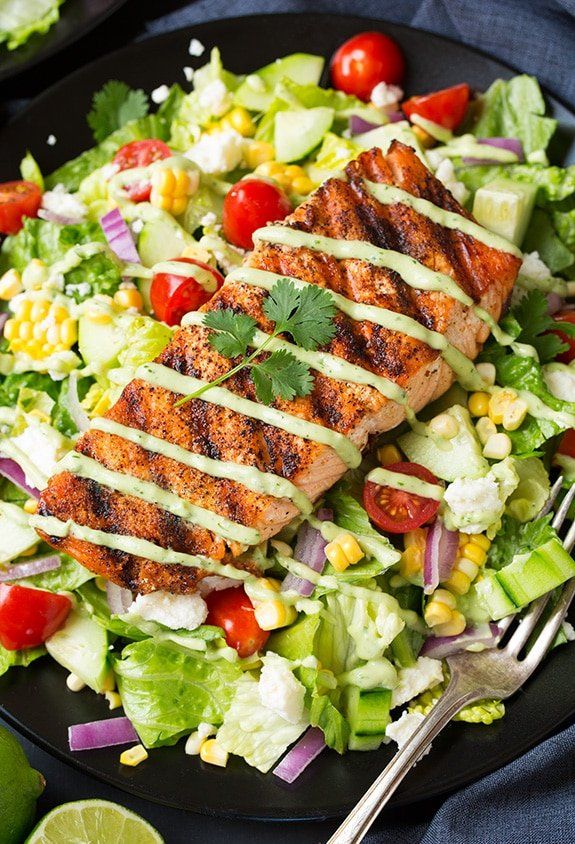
(497,447)
(134,756)
(239,119)
(10,285)
(411,562)
(291,177)
(472,554)
(213,753)
(258,152)
(30,506)
(507,409)
(40,327)
(273,613)
(343,551)
(478,404)
(129,297)
(171,188)
(388,455)
(442,615)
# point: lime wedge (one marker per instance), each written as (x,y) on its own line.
(93,822)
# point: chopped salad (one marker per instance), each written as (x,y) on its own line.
(21,19)
(419,552)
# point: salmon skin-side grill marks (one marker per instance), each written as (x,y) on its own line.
(342,210)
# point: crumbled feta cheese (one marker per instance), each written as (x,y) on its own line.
(44,446)
(560,380)
(215,98)
(402,730)
(416,679)
(310,662)
(83,289)
(434,158)
(215,583)
(137,226)
(533,267)
(446,174)
(208,219)
(160,94)
(218,153)
(469,499)
(67,205)
(196,47)
(188,73)
(178,612)
(279,690)
(51,140)
(386,96)
(108,170)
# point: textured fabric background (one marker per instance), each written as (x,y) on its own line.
(530,801)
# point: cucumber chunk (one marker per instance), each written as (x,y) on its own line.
(257,91)
(100,343)
(494,598)
(297,132)
(161,242)
(505,207)
(81,646)
(17,535)
(368,711)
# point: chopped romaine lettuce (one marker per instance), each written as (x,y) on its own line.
(532,491)
(98,274)
(69,577)
(554,183)
(23,658)
(30,171)
(45,240)
(515,538)
(542,237)
(167,691)
(20,19)
(323,712)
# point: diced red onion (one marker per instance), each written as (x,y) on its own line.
(11,470)
(77,412)
(554,303)
(29,569)
(396,116)
(299,757)
(440,553)
(513,145)
(105,733)
(309,549)
(119,599)
(119,236)
(358,125)
(61,219)
(439,647)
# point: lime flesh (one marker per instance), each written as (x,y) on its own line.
(93,822)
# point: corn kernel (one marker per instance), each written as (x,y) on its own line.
(129,298)
(487,372)
(11,329)
(10,285)
(30,506)
(458,582)
(411,562)
(497,447)
(417,537)
(24,309)
(444,426)
(25,331)
(52,333)
(74,683)
(302,185)
(453,627)
(485,428)
(270,584)
(182,183)
(351,548)
(425,139)
(481,540)
(179,205)
(114,700)
(101,406)
(335,555)
(514,415)
(98,316)
(58,312)
(240,120)
(436,613)
(282,547)
(34,274)
(257,153)
(270,168)
(69,331)
(478,404)
(444,597)
(33,349)
(283,181)
(293,171)
(271,615)
(498,403)
(197,738)
(39,310)
(388,455)
(213,753)
(468,568)
(474,552)
(134,756)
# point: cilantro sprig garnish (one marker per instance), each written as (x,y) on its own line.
(114,105)
(305,314)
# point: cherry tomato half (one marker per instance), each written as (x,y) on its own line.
(567,444)
(232,610)
(17,200)
(173,295)
(568,355)
(140,154)
(446,107)
(29,616)
(396,511)
(249,205)
(364,61)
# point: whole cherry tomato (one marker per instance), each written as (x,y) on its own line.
(232,610)
(395,510)
(18,200)
(174,295)
(249,205)
(29,616)
(366,60)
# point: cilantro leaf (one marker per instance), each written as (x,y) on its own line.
(114,105)
(532,316)
(306,314)
(515,538)
(235,331)
(282,376)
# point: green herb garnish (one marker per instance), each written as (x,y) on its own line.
(114,105)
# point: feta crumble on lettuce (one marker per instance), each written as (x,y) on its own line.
(178,612)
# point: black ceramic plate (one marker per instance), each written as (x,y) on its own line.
(35,700)
(77,17)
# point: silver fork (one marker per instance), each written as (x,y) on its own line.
(495,673)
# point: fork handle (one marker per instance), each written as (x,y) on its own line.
(362,816)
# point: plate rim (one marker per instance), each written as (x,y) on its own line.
(133,787)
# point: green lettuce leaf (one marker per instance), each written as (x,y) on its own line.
(145,339)
(98,274)
(30,171)
(11,385)
(323,712)
(516,109)
(23,658)
(532,492)
(20,19)
(515,538)
(542,237)
(350,515)
(167,691)
(69,577)
(554,183)
(44,240)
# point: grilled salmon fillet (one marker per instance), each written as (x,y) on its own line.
(338,209)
